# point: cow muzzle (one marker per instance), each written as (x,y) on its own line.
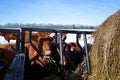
(47,53)
(51,64)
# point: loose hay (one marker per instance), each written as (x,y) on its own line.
(105,53)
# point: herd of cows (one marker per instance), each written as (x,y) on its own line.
(46,60)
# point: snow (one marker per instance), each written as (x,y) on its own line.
(2,40)
(72,38)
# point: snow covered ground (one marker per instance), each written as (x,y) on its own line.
(2,40)
(72,38)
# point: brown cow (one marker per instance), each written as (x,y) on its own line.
(72,55)
(7,53)
(75,53)
(38,66)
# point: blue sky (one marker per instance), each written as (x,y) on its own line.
(84,12)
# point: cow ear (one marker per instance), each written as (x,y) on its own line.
(34,37)
(52,34)
(14,34)
(48,33)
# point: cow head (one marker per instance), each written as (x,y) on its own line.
(45,62)
(8,35)
(45,46)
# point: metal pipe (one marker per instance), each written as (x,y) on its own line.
(86,51)
(56,37)
(61,56)
(18,42)
(23,41)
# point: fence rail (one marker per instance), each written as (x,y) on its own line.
(60,31)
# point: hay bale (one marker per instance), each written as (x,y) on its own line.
(105,53)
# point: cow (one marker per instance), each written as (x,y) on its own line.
(7,53)
(72,54)
(39,64)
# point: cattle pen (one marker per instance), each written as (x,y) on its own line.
(20,48)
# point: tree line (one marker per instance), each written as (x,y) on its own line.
(58,26)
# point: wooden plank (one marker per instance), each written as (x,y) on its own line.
(16,69)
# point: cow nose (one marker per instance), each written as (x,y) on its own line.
(47,53)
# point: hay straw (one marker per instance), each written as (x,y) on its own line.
(105,53)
